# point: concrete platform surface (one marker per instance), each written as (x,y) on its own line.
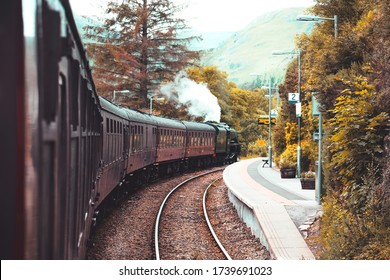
(275,207)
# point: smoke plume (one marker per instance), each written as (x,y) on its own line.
(197,97)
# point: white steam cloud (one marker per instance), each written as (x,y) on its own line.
(197,97)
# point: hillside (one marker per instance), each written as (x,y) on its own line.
(249,50)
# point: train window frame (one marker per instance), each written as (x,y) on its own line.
(74,93)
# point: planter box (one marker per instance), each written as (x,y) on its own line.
(289,172)
(308,183)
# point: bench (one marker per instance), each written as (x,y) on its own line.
(265,161)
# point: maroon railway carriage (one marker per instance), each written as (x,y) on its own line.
(200,147)
(115,147)
(142,149)
(171,145)
(128,146)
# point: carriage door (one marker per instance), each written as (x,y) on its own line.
(53,77)
(126,146)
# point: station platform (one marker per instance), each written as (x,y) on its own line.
(277,210)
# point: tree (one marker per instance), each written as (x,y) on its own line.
(358,132)
(139,46)
(351,75)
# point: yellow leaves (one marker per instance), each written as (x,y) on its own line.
(363,25)
(261,143)
(291,132)
(357,130)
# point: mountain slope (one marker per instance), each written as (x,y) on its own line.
(249,50)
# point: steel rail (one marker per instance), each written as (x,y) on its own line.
(221,247)
(157,224)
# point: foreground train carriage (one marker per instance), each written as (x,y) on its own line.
(65,149)
(50,109)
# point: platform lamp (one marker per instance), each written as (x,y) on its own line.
(317,18)
(151,102)
(126,91)
(298,104)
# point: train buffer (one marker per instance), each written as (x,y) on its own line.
(265,162)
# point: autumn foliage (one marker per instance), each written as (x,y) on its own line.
(350,75)
(137,48)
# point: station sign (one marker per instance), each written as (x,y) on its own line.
(293,97)
(316,136)
(315,105)
(298,109)
(264,120)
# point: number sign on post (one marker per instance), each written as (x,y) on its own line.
(293,97)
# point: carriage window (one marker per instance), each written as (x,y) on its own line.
(107,125)
(74,91)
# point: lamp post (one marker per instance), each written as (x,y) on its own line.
(299,150)
(270,124)
(317,18)
(119,91)
(316,112)
(269,120)
(151,103)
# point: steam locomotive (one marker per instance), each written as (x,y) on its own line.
(64,150)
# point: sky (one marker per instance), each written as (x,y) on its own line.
(210,15)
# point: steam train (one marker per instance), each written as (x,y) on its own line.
(63,149)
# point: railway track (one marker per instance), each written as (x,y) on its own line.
(182,226)
(128,231)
